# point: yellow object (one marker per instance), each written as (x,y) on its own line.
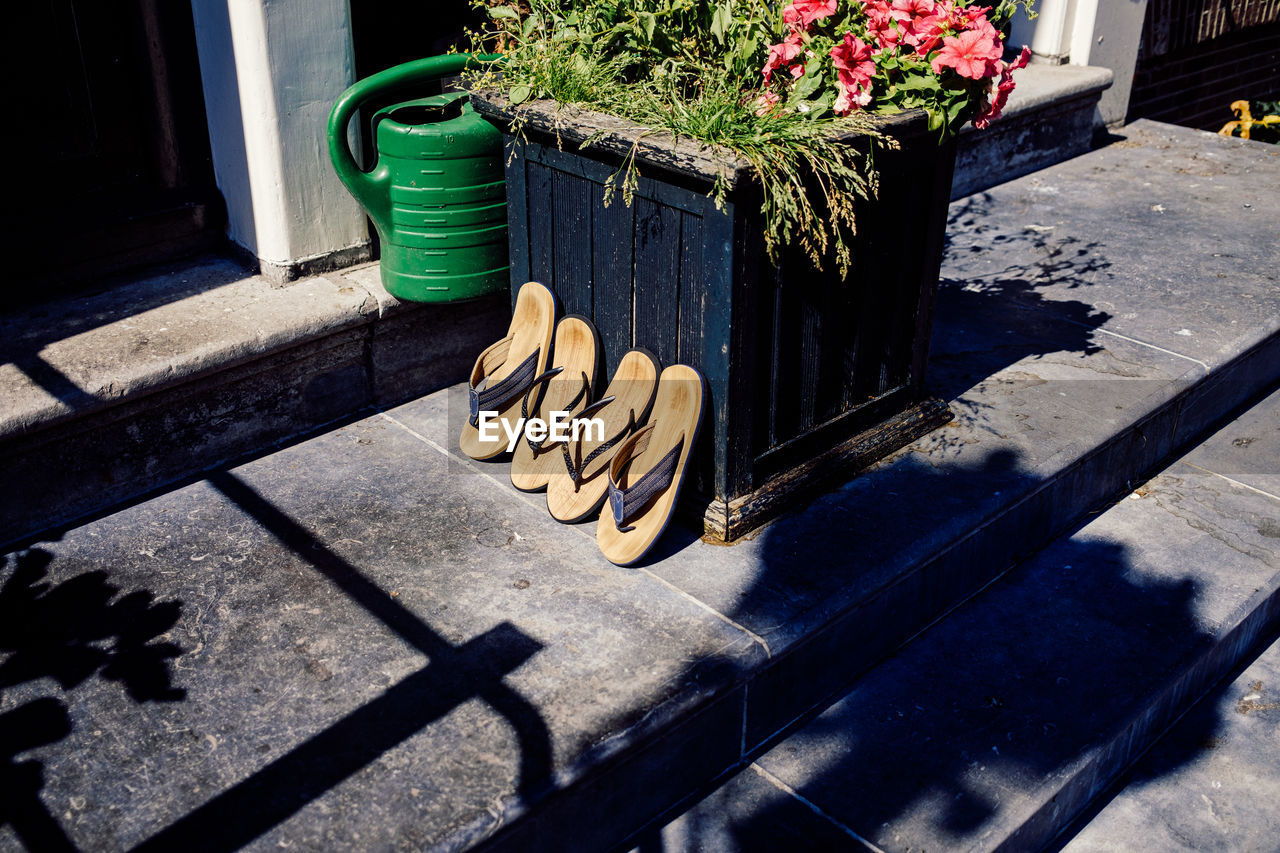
(1246,121)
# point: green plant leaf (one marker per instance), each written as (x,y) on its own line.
(519,94)
(808,84)
(649,22)
(720,22)
(496,12)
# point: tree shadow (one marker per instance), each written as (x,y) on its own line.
(68,633)
(1043,674)
(993,312)
(1034,679)
(1203,727)
(1032,688)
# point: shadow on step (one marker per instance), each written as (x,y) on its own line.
(995,725)
(937,741)
(65,635)
(26,332)
(79,628)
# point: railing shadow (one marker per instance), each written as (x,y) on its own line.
(81,627)
(454,675)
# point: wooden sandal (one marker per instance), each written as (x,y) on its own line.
(580,484)
(568,386)
(648,469)
(505,371)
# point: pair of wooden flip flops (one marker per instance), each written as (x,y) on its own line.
(632,445)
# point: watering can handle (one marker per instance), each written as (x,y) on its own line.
(365,185)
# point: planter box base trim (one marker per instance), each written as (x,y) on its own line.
(725,521)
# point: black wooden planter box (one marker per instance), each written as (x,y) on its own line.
(810,376)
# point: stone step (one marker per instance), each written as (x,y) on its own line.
(164,373)
(364,639)
(994,729)
(151,378)
(1051,116)
(1212,783)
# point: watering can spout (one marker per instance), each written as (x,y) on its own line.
(435,192)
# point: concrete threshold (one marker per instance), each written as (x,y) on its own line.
(367,640)
(114,393)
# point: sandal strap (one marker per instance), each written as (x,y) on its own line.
(546,376)
(484,397)
(583,393)
(576,471)
(626,503)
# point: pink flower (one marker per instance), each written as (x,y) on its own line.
(971,14)
(781,54)
(1001,90)
(926,32)
(880,26)
(971,54)
(985,30)
(906,10)
(853,61)
(850,99)
(767,103)
(855,68)
(921,23)
(802,13)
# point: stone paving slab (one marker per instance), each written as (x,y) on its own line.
(110,395)
(1000,723)
(1251,456)
(350,643)
(1174,248)
(1049,118)
(1212,783)
(82,353)
(723,822)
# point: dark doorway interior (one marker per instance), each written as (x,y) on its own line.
(107,144)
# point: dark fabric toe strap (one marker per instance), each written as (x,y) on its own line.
(576,471)
(584,393)
(485,397)
(628,502)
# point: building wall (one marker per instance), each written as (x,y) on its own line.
(1197,56)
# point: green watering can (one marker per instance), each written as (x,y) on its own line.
(436,192)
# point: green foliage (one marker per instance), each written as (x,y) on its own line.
(693,68)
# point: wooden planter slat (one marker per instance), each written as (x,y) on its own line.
(807,373)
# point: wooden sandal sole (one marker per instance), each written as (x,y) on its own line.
(577,350)
(677,413)
(633,388)
(532,327)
